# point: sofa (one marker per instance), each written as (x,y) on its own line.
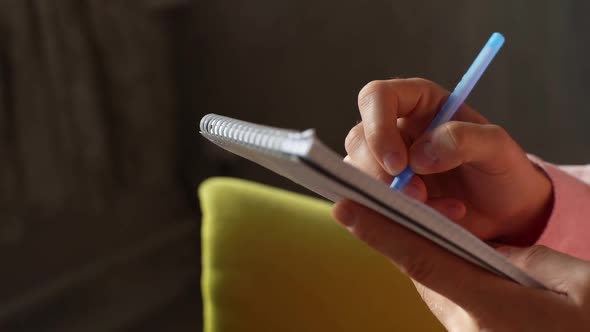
(275,260)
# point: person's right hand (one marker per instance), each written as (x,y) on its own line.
(468,169)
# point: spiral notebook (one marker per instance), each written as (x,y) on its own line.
(303,158)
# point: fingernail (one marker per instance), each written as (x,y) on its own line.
(346,216)
(393,163)
(425,155)
(455,211)
(411,190)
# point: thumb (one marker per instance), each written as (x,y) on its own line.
(557,271)
(437,269)
(486,146)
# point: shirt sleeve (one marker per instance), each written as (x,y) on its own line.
(568,227)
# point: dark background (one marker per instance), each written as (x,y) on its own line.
(100,103)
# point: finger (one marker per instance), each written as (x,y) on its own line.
(451,208)
(381,103)
(416,189)
(421,259)
(487,147)
(361,157)
(448,313)
(557,271)
(414,125)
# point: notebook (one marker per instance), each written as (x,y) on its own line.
(303,158)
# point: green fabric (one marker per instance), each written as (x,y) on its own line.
(276,261)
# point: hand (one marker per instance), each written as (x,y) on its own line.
(466,298)
(469,170)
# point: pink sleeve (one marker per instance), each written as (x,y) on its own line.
(568,227)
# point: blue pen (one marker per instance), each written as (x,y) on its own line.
(457,98)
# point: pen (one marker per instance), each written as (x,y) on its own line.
(457,97)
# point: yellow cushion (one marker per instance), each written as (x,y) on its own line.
(276,261)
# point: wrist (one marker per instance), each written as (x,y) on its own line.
(534,216)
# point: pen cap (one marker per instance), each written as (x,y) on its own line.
(496,40)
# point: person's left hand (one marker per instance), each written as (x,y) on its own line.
(463,296)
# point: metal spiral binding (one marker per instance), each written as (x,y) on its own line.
(224,130)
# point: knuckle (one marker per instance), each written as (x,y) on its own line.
(499,134)
(369,236)
(354,139)
(419,269)
(428,87)
(455,135)
(533,255)
(372,134)
(432,301)
(424,293)
(504,141)
(370,92)
(422,81)
(501,137)
(580,284)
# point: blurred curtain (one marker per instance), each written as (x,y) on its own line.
(300,64)
(89,173)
